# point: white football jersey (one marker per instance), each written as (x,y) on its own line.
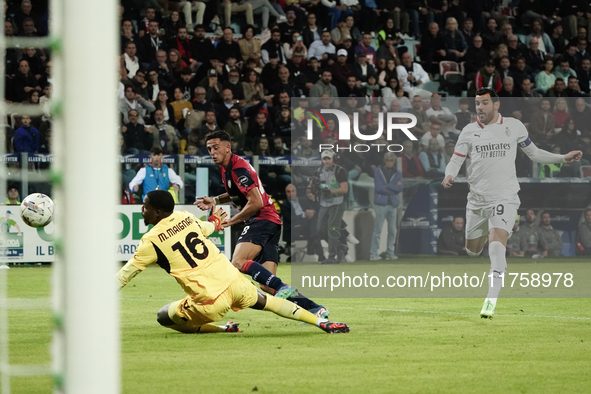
(492,150)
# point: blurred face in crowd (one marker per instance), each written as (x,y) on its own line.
(407,59)
(351,82)
(26,7)
(8,28)
(192,150)
(389,162)
(133,117)
(408,147)
(297,58)
(227,95)
(507,29)
(23,67)
(249,33)
(263,143)
(545,105)
(451,25)
(174,16)
(161,57)
(395,106)
(276,36)
(477,41)
(200,94)
(458,223)
(159,116)
(210,117)
(505,63)
(559,86)
(325,38)
(139,77)
(182,33)
(573,84)
(284,74)
(435,100)
(530,216)
(526,86)
(433,145)
(200,33)
(564,66)
(512,41)
(150,13)
(291,193)
(508,85)
(129,93)
(571,50)
(586,64)
(29,27)
(186,77)
(30,52)
(433,29)
(327,161)
(283,98)
(536,27)
(130,49)
(326,77)
(127,27)
(291,16)
(417,103)
(491,24)
(520,64)
(468,25)
(545,218)
(366,40)
(153,28)
(350,21)
(435,130)
(311,19)
(549,65)
(234,114)
(580,104)
(47,91)
(278,143)
(261,119)
(178,94)
(153,75)
(162,96)
(26,121)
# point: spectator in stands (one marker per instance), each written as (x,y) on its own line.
(273,45)
(584,235)
(258,127)
(393,91)
(520,72)
(508,88)
(454,41)
(545,79)
(233,83)
(186,83)
(575,15)
(569,137)
(26,137)
(279,148)
(432,159)
(362,69)
(203,46)
(582,52)
(536,58)
(535,244)
(12,195)
(463,115)
(552,238)
(154,86)
(152,43)
(140,84)
(558,89)
(28,28)
(237,127)
(156,176)
(559,42)
(24,82)
(584,74)
(340,70)
(165,136)
(311,32)
(433,48)
(134,101)
(412,76)
(476,57)
(386,74)
(423,124)
(210,125)
(324,86)
(516,244)
(411,165)
(323,48)
(213,87)
(227,45)
(341,32)
(365,47)
(515,48)
(180,106)
(270,72)
(491,36)
(581,115)
(451,241)
(235,7)
(161,66)
(434,132)
(563,71)
(296,45)
(137,137)
(543,38)
(573,89)
(388,185)
(560,112)
(542,123)
(283,84)
(441,116)
(182,45)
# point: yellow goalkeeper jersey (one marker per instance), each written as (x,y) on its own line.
(179,245)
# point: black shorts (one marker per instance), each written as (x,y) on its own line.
(264,233)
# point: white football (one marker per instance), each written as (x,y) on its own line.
(37,210)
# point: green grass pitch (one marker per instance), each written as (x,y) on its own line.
(395,345)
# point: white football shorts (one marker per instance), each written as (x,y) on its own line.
(479,220)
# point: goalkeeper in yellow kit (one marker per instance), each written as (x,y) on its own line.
(178,244)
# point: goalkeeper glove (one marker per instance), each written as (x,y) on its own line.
(217,218)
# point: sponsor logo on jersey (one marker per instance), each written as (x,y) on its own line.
(492,150)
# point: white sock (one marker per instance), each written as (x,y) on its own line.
(498,267)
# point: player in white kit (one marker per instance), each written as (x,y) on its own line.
(491,142)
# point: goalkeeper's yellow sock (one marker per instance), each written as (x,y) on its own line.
(289,310)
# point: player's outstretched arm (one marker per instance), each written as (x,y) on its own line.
(126,274)
(544,157)
(204,203)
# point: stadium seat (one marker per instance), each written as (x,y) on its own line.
(585,171)
(446,66)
